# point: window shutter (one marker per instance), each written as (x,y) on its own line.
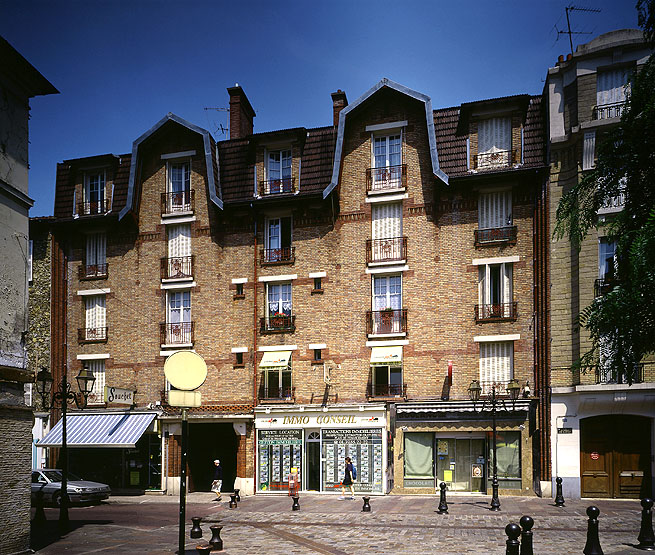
(285,239)
(610,86)
(179,241)
(97,367)
(173,243)
(482,284)
(387,220)
(90,319)
(506,295)
(496,362)
(495,210)
(101,251)
(30,259)
(588,150)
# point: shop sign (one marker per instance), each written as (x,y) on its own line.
(280,437)
(414,483)
(118,396)
(319,420)
(476,470)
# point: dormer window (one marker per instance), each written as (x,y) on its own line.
(178,197)
(387,171)
(494,143)
(279,177)
(610,93)
(94,194)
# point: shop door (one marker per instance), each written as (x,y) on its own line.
(461,463)
(615,456)
(313,458)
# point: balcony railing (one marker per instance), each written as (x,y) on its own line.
(177,267)
(92,271)
(607,111)
(496,312)
(176,334)
(277,186)
(497,159)
(180,201)
(613,204)
(386,321)
(89,208)
(386,390)
(283,255)
(603,286)
(495,236)
(386,250)
(610,376)
(389,177)
(277,393)
(277,324)
(92,335)
(500,385)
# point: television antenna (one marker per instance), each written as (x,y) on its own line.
(568,32)
(220,128)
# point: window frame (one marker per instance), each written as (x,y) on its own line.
(388,294)
(488,346)
(280,285)
(493,216)
(101,201)
(95,317)
(387,135)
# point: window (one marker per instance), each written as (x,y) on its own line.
(239,290)
(179,328)
(30,259)
(387,162)
(496,363)
(95,318)
(277,383)
(94,193)
(589,150)
(279,300)
(610,92)
(278,172)
(508,451)
(387,380)
(495,210)
(179,262)
(97,368)
(387,229)
(387,316)
(179,187)
(96,255)
(419,456)
(317,355)
(494,142)
(318,285)
(495,291)
(238,359)
(277,241)
(606,259)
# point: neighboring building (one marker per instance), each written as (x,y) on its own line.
(19,81)
(328,276)
(602,432)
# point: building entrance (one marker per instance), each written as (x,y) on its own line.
(461,463)
(206,443)
(313,461)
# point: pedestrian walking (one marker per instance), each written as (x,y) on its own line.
(350,474)
(218,479)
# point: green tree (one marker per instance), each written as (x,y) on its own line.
(623,319)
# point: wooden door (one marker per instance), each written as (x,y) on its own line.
(596,457)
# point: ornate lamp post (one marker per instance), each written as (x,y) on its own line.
(493,402)
(62,396)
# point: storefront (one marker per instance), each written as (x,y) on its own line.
(450,442)
(314,441)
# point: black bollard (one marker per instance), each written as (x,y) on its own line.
(559,497)
(233,501)
(216,542)
(236,492)
(296,504)
(196,531)
(646,537)
(592,547)
(526,523)
(513,531)
(443,505)
(204,549)
(367,505)
(39,515)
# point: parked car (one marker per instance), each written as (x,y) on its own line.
(48,480)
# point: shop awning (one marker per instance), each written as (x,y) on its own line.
(120,430)
(387,355)
(275,359)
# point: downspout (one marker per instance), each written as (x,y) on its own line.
(254,352)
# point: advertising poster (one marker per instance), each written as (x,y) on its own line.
(279,450)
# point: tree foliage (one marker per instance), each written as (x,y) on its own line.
(625,317)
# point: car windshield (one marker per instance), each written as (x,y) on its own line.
(56,476)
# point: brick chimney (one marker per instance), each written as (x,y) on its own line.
(339,102)
(241,113)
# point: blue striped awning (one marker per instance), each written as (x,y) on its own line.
(100,430)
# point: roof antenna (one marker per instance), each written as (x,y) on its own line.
(219,129)
(569,9)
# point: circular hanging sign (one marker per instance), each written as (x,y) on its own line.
(594,456)
(185,370)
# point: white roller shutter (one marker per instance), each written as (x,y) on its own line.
(495,210)
(610,86)
(387,220)
(96,249)
(494,134)
(97,368)
(95,311)
(179,241)
(588,150)
(495,363)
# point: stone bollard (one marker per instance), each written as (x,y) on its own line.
(196,531)
(296,504)
(216,542)
(443,505)
(233,501)
(646,537)
(526,523)
(236,492)
(39,515)
(367,505)
(592,547)
(204,549)
(559,497)
(513,532)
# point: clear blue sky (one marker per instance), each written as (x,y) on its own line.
(122,65)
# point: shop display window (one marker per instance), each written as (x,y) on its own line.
(419,459)
(278,452)
(508,447)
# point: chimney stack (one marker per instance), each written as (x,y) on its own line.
(339,102)
(241,113)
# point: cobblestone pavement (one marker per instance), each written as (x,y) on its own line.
(325,524)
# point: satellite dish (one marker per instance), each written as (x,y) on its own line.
(185,370)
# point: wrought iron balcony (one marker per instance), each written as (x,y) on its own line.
(92,207)
(495,236)
(386,390)
(92,335)
(500,385)
(388,177)
(181,333)
(607,111)
(283,255)
(92,271)
(277,186)
(177,267)
(180,201)
(495,160)
(603,286)
(386,250)
(613,204)
(277,324)
(276,393)
(610,376)
(386,321)
(496,312)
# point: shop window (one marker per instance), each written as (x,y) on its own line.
(277,452)
(508,449)
(419,459)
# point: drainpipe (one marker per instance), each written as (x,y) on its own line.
(254,353)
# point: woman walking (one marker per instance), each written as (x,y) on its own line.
(349,476)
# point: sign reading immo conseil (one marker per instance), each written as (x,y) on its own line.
(318,420)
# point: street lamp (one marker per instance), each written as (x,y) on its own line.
(492,401)
(63,395)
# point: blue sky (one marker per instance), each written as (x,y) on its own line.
(122,65)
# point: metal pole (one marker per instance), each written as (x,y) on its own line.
(63,507)
(495,502)
(181,540)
